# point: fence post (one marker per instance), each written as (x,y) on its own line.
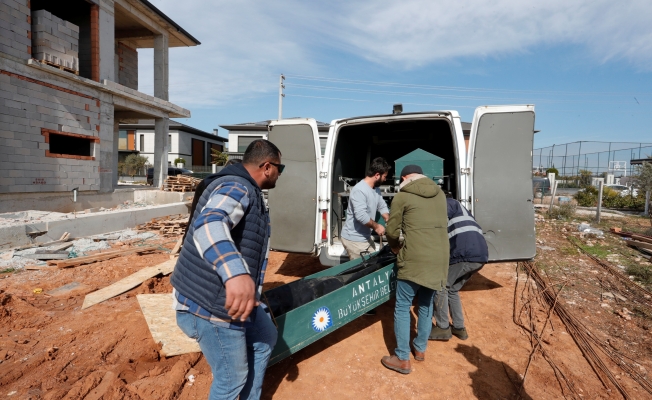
(597,214)
(214,168)
(647,203)
(552,198)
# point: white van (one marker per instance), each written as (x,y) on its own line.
(493,178)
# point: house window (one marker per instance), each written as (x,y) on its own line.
(126,140)
(244,141)
(122,140)
(69,145)
(142,142)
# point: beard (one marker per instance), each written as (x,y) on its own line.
(378,183)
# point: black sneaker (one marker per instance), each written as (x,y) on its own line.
(440,334)
(460,333)
(371,312)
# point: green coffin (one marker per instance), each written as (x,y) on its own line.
(312,321)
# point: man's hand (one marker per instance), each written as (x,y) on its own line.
(240,297)
(379,229)
(395,250)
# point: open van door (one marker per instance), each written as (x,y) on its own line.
(293,203)
(500,184)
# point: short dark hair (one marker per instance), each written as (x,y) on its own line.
(259,151)
(378,166)
(233,161)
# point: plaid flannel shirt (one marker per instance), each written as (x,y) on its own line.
(212,237)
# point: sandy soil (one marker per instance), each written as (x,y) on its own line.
(50,349)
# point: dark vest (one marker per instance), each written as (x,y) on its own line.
(465,235)
(195,278)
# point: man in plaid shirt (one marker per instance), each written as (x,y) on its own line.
(219,276)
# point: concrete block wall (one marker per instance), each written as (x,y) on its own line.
(15,28)
(127,65)
(55,40)
(28,107)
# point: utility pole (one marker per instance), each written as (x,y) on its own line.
(281,86)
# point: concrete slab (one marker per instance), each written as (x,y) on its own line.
(82,225)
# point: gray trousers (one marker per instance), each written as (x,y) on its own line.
(449,299)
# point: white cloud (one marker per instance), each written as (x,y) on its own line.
(246,44)
(413,33)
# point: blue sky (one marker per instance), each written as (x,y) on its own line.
(586,65)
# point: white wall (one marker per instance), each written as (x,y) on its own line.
(233,139)
(181,145)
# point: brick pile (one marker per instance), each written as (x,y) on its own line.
(55,41)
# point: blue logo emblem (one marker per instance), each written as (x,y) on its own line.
(322,320)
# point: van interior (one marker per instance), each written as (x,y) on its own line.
(358,144)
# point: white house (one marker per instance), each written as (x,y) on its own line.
(191,144)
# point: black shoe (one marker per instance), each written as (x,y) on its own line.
(460,333)
(371,312)
(440,334)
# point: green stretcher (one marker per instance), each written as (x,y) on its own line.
(312,321)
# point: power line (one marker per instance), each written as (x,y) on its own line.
(375,101)
(370,91)
(456,88)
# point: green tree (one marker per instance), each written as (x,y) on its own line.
(643,180)
(219,158)
(553,170)
(585,178)
(179,160)
(134,164)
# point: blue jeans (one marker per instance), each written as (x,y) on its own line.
(405,292)
(237,358)
(449,299)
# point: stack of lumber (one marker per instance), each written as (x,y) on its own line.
(642,243)
(181,183)
(172,225)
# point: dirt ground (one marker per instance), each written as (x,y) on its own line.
(50,349)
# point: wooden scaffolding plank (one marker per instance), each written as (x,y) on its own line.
(128,283)
(162,322)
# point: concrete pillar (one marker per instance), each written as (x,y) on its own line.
(161,128)
(108,144)
(106,44)
(161,67)
(115,153)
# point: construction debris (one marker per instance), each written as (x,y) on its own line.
(74,262)
(128,283)
(181,183)
(173,225)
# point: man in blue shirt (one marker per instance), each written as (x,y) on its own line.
(364,201)
(219,276)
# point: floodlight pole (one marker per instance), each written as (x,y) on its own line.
(281,86)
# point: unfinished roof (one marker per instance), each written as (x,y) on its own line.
(140,21)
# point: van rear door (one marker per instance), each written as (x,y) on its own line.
(293,203)
(500,184)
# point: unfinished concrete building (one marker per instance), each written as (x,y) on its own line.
(68,77)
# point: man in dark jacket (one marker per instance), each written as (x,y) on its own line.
(468,255)
(219,276)
(419,211)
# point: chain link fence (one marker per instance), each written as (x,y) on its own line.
(597,157)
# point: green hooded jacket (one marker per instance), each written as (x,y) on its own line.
(419,210)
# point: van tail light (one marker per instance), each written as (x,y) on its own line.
(324,226)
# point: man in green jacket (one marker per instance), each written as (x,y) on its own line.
(419,211)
